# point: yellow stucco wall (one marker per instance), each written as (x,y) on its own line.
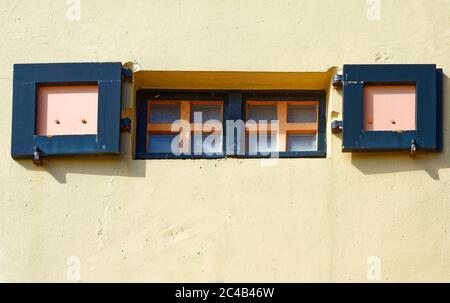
(225,220)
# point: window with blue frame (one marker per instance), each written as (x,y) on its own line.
(180,125)
(289,124)
(195,124)
(392,107)
(66,109)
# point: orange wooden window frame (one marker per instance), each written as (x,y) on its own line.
(284,127)
(185,115)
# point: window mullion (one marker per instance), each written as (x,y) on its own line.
(282,127)
(185,136)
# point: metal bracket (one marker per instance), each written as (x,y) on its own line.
(125,125)
(338,80)
(336,126)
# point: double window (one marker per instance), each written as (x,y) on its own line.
(232,124)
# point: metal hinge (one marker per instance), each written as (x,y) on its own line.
(127,74)
(338,80)
(336,126)
(125,125)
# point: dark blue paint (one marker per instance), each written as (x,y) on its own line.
(440,110)
(234,113)
(428,130)
(27,77)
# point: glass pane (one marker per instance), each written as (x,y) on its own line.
(162,143)
(164,113)
(302,143)
(262,112)
(206,144)
(208,111)
(302,113)
(261,143)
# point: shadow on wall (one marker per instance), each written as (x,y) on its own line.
(393,162)
(102,166)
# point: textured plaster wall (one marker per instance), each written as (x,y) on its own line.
(225,220)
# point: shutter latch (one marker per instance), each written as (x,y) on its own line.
(413,149)
(37,157)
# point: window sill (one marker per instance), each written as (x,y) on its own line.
(282,155)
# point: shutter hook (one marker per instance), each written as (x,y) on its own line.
(37,157)
(413,148)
